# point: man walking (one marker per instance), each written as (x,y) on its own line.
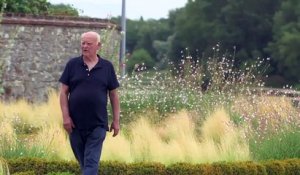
(86,82)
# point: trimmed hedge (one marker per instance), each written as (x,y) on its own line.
(41,166)
(25,173)
(35,166)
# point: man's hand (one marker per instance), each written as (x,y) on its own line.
(68,124)
(116,127)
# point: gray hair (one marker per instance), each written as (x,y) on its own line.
(94,34)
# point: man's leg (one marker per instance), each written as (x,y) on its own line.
(77,144)
(92,153)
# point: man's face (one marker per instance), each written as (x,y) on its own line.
(89,45)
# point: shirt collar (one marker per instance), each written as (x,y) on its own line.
(98,65)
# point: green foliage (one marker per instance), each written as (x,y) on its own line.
(204,23)
(245,25)
(60,173)
(38,7)
(146,168)
(142,34)
(23,127)
(277,146)
(162,49)
(218,168)
(42,167)
(242,25)
(248,168)
(2,7)
(184,169)
(35,7)
(292,167)
(113,168)
(275,168)
(297,86)
(139,61)
(158,93)
(149,31)
(25,173)
(286,39)
(222,168)
(132,38)
(23,150)
(167,93)
(62,10)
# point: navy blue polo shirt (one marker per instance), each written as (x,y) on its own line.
(88,91)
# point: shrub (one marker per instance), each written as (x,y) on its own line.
(146,168)
(139,60)
(60,173)
(292,166)
(184,169)
(275,168)
(222,168)
(114,167)
(41,166)
(31,166)
(25,173)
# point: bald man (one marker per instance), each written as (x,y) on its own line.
(86,82)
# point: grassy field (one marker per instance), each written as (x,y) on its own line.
(168,119)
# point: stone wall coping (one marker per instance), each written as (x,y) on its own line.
(61,21)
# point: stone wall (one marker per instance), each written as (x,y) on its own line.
(34,50)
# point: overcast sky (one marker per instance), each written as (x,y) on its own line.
(149,9)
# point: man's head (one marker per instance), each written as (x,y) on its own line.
(90,44)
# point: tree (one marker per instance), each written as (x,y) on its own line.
(38,7)
(245,24)
(62,10)
(35,7)
(197,24)
(148,32)
(175,45)
(285,46)
(132,37)
(144,34)
(139,60)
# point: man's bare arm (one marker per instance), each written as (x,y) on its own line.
(63,98)
(115,104)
